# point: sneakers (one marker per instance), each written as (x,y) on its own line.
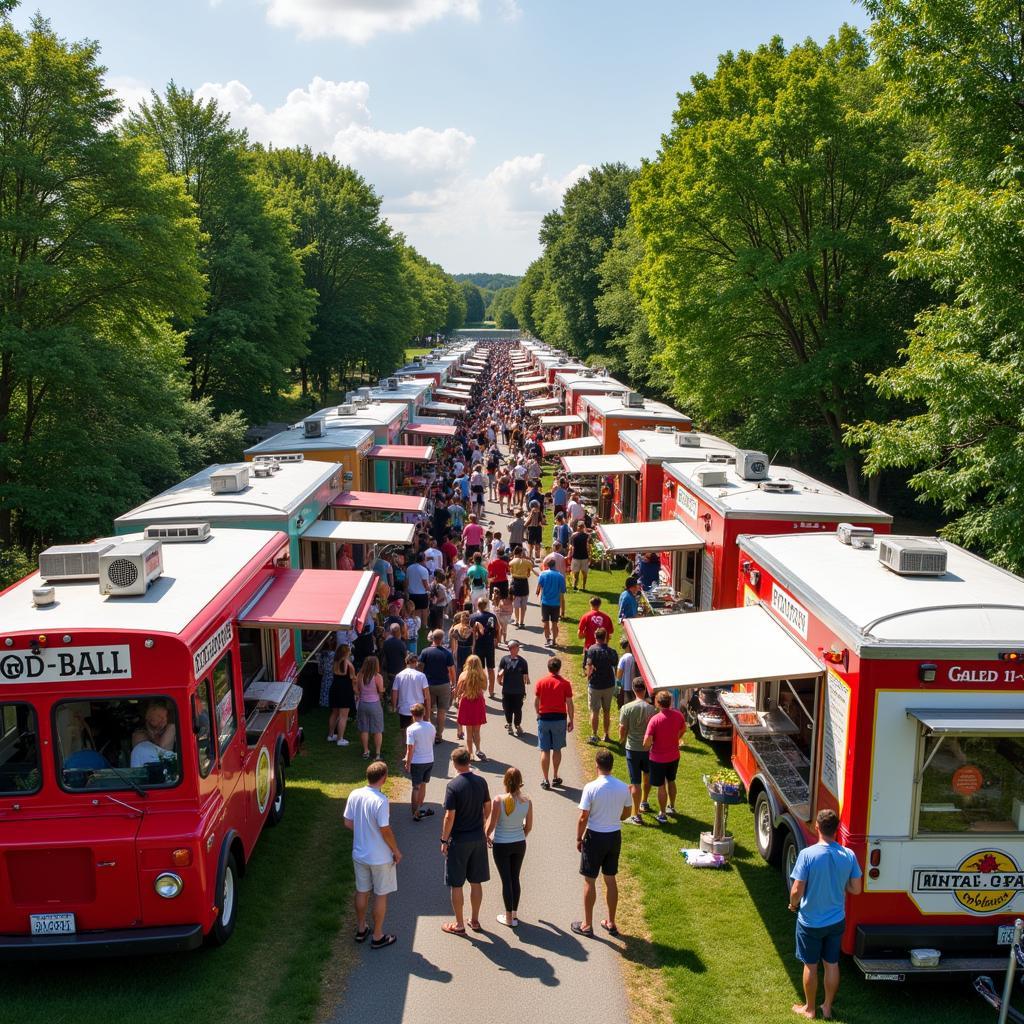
(481,756)
(509,922)
(519,731)
(670,810)
(636,819)
(645,806)
(592,741)
(661,819)
(607,739)
(342,742)
(331,739)
(508,728)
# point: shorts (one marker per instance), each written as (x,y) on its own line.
(814,944)
(638,764)
(420,773)
(501,586)
(370,717)
(520,586)
(485,654)
(580,565)
(467,861)
(404,721)
(435,617)
(520,602)
(380,879)
(551,733)
(420,601)
(441,697)
(559,510)
(534,534)
(663,771)
(471,550)
(600,699)
(520,486)
(600,854)
(550,613)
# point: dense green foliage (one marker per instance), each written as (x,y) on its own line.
(474,302)
(500,309)
(489,282)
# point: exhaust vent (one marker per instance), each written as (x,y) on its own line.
(721,458)
(664,429)
(348,409)
(686,440)
(72,561)
(392,383)
(633,400)
(179,533)
(855,536)
(913,556)
(710,476)
(314,427)
(231,479)
(776,486)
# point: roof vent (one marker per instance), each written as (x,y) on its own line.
(392,383)
(281,458)
(687,440)
(664,429)
(775,486)
(710,476)
(721,458)
(129,569)
(588,373)
(314,427)
(913,556)
(43,597)
(72,561)
(359,402)
(179,533)
(348,409)
(233,479)
(633,400)
(855,536)
(752,465)
(366,393)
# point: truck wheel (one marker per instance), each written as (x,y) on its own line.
(277,804)
(766,835)
(789,852)
(228,902)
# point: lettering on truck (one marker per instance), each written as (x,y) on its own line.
(790,611)
(985,882)
(208,653)
(68,663)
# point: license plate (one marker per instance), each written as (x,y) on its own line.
(52,924)
(880,976)
(1004,936)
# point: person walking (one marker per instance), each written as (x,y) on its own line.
(476,579)
(553,702)
(599,663)
(550,588)
(594,620)
(633,720)
(472,713)
(625,673)
(661,740)
(823,876)
(342,696)
(579,548)
(535,528)
(370,710)
(520,569)
(485,625)
(393,652)
(417,580)
(410,688)
(461,638)
(509,824)
(419,760)
(513,678)
(463,844)
(604,805)
(375,854)
(439,668)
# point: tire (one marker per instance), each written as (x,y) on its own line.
(227,902)
(766,836)
(788,859)
(277,803)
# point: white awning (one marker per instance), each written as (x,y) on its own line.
(562,421)
(661,535)
(720,648)
(597,465)
(972,722)
(572,444)
(360,532)
(536,404)
(528,389)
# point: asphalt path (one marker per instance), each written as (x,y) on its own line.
(537,972)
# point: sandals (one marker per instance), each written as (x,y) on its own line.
(545,784)
(610,929)
(556,781)
(577,929)
(362,934)
(476,926)
(452,929)
(424,812)
(384,940)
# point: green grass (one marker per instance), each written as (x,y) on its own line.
(723,940)
(293,899)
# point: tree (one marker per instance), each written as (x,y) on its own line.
(765,220)
(474,302)
(257,316)
(501,309)
(958,69)
(97,251)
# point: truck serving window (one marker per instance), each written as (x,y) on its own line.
(206,749)
(19,749)
(972,784)
(224,697)
(117,743)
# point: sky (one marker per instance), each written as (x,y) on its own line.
(469,117)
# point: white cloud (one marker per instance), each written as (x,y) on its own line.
(130,91)
(510,10)
(358,21)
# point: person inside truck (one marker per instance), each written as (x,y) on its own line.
(157,728)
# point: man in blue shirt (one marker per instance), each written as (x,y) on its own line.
(629,606)
(550,587)
(822,877)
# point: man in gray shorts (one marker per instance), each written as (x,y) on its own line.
(439,668)
(599,661)
(419,760)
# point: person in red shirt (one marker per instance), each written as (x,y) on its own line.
(497,575)
(450,552)
(664,731)
(594,620)
(552,700)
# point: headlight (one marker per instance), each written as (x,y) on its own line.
(168,885)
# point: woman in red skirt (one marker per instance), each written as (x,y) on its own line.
(472,686)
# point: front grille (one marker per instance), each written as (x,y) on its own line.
(41,877)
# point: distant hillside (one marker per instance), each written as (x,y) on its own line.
(490,281)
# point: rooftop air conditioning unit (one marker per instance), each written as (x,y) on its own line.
(359,402)
(418,361)
(262,470)
(129,569)
(314,427)
(855,536)
(587,373)
(752,465)
(392,383)
(233,479)
(366,393)
(710,476)
(687,440)
(280,460)
(776,486)
(633,400)
(72,561)
(913,556)
(348,409)
(179,533)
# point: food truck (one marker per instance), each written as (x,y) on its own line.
(436,372)
(571,387)
(412,392)
(375,506)
(607,415)
(730,495)
(318,441)
(149,715)
(567,426)
(885,682)
(396,463)
(434,433)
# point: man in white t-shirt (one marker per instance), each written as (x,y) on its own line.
(434,558)
(375,854)
(409,688)
(418,579)
(419,759)
(574,511)
(604,805)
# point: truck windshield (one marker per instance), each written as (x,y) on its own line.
(19,749)
(972,784)
(118,743)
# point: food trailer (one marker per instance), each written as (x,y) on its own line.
(443,410)
(362,506)
(412,392)
(397,464)
(567,426)
(322,542)
(318,441)
(571,387)
(539,406)
(433,434)
(149,715)
(886,685)
(608,415)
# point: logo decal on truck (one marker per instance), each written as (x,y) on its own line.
(790,611)
(263,779)
(67,663)
(207,654)
(985,882)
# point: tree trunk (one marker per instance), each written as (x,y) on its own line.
(874,489)
(304,377)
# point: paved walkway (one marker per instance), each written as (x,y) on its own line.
(535,973)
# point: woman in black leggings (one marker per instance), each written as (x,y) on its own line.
(508,826)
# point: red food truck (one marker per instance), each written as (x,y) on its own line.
(571,387)
(607,415)
(147,718)
(887,685)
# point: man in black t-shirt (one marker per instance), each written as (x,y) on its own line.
(393,651)
(599,663)
(513,677)
(579,546)
(466,806)
(485,623)
(439,668)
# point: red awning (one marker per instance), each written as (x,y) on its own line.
(370,501)
(430,429)
(313,599)
(401,452)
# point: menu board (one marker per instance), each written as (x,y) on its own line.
(835,728)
